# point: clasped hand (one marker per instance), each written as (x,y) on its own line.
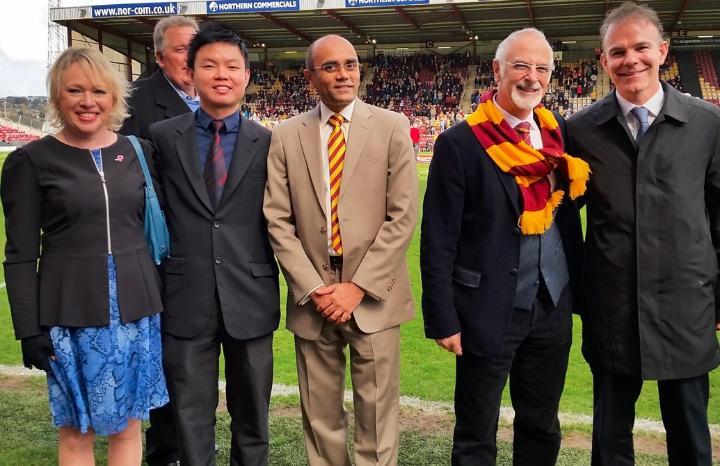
(337,302)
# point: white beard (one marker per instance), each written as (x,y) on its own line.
(524,102)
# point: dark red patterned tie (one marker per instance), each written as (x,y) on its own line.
(523,129)
(215,172)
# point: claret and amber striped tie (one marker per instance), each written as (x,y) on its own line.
(336,151)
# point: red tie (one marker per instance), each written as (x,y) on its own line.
(523,130)
(336,151)
(215,171)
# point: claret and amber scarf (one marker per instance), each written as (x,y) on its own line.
(528,165)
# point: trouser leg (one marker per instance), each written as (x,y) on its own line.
(684,404)
(375,370)
(614,397)
(248,374)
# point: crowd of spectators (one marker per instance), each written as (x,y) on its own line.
(278,96)
(571,81)
(418,85)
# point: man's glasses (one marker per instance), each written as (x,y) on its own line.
(332,68)
(525,68)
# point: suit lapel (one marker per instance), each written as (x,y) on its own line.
(244,153)
(360,126)
(510,186)
(310,141)
(167,98)
(186,147)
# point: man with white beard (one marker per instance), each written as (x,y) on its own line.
(500,257)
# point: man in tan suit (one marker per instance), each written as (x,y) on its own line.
(341,205)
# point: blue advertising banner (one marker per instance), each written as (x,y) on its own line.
(373,3)
(135,9)
(218,7)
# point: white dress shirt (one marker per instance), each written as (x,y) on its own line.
(653,105)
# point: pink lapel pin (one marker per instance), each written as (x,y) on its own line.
(119,158)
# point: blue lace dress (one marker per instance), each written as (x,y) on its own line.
(105,376)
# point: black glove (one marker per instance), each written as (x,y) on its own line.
(36,352)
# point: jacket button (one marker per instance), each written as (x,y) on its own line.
(516,230)
(325,267)
(514,271)
(218,260)
(323,230)
(216,224)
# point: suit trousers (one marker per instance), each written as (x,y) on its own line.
(375,375)
(683,405)
(534,354)
(161,443)
(191,367)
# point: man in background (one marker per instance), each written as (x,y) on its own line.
(169,91)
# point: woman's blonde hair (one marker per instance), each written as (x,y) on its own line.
(99,70)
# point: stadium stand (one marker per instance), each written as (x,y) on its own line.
(418,85)
(670,72)
(16,135)
(708,76)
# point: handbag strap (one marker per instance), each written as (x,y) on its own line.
(143,163)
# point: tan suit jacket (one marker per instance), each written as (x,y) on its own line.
(377,211)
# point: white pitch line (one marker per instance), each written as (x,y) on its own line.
(2,285)
(427,407)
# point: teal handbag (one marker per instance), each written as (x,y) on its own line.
(156,230)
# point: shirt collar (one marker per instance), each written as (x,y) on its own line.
(184,95)
(513,121)
(326,113)
(232,121)
(653,104)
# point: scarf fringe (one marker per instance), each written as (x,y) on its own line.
(578,174)
(537,222)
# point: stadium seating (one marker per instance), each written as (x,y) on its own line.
(707,75)
(15,136)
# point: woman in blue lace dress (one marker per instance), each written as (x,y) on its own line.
(83,290)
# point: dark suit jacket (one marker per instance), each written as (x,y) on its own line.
(470,243)
(51,187)
(653,238)
(153,99)
(225,252)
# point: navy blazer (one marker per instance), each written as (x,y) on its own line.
(470,243)
(153,99)
(225,252)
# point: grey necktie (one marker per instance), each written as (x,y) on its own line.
(641,113)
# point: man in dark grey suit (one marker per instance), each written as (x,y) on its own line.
(653,237)
(220,282)
(169,91)
(166,93)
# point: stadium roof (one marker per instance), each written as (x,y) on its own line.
(295,23)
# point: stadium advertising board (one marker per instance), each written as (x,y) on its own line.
(692,42)
(371,3)
(135,9)
(218,7)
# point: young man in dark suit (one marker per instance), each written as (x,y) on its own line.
(220,281)
(499,257)
(166,93)
(169,91)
